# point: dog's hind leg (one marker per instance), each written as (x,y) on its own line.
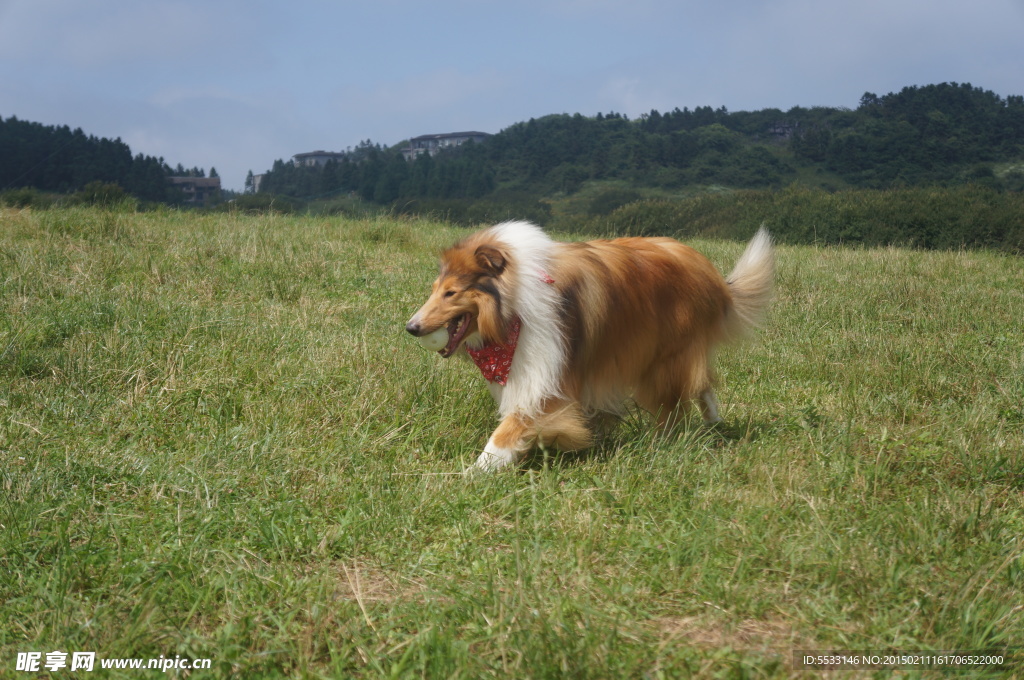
(665,395)
(672,385)
(709,407)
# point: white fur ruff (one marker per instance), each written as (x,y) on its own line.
(541,354)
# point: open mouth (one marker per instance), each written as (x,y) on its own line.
(456,332)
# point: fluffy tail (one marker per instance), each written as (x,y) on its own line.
(751,284)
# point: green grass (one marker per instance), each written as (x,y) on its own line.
(217,442)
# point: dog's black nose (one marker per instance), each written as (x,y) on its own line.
(413,328)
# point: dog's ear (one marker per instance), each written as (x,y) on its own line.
(490,259)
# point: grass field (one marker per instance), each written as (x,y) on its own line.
(217,442)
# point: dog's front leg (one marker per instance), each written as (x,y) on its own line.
(507,445)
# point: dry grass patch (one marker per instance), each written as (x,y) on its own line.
(775,636)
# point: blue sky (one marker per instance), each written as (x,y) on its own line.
(236,85)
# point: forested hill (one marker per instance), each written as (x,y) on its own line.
(932,135)
(62,160)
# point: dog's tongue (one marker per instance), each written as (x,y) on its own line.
(456,331)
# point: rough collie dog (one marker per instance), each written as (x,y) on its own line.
(565,331)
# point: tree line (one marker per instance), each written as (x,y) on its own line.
(383,175)
(61,160)
(934,135)
(943,134)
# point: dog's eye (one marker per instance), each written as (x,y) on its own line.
(449,293)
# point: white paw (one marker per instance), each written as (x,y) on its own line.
(711,416)
(495,458)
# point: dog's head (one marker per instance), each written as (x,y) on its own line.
(466,297)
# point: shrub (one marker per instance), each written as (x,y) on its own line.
(106,194)
(972,215)
(472,213)
(262,203)
(26,197)
(610,200)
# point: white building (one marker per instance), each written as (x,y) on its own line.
(316,158)
(433,144)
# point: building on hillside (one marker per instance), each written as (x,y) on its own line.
(433,144)
(197,190)
(321,158)
(783,130)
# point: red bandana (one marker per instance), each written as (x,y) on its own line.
(495,360)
